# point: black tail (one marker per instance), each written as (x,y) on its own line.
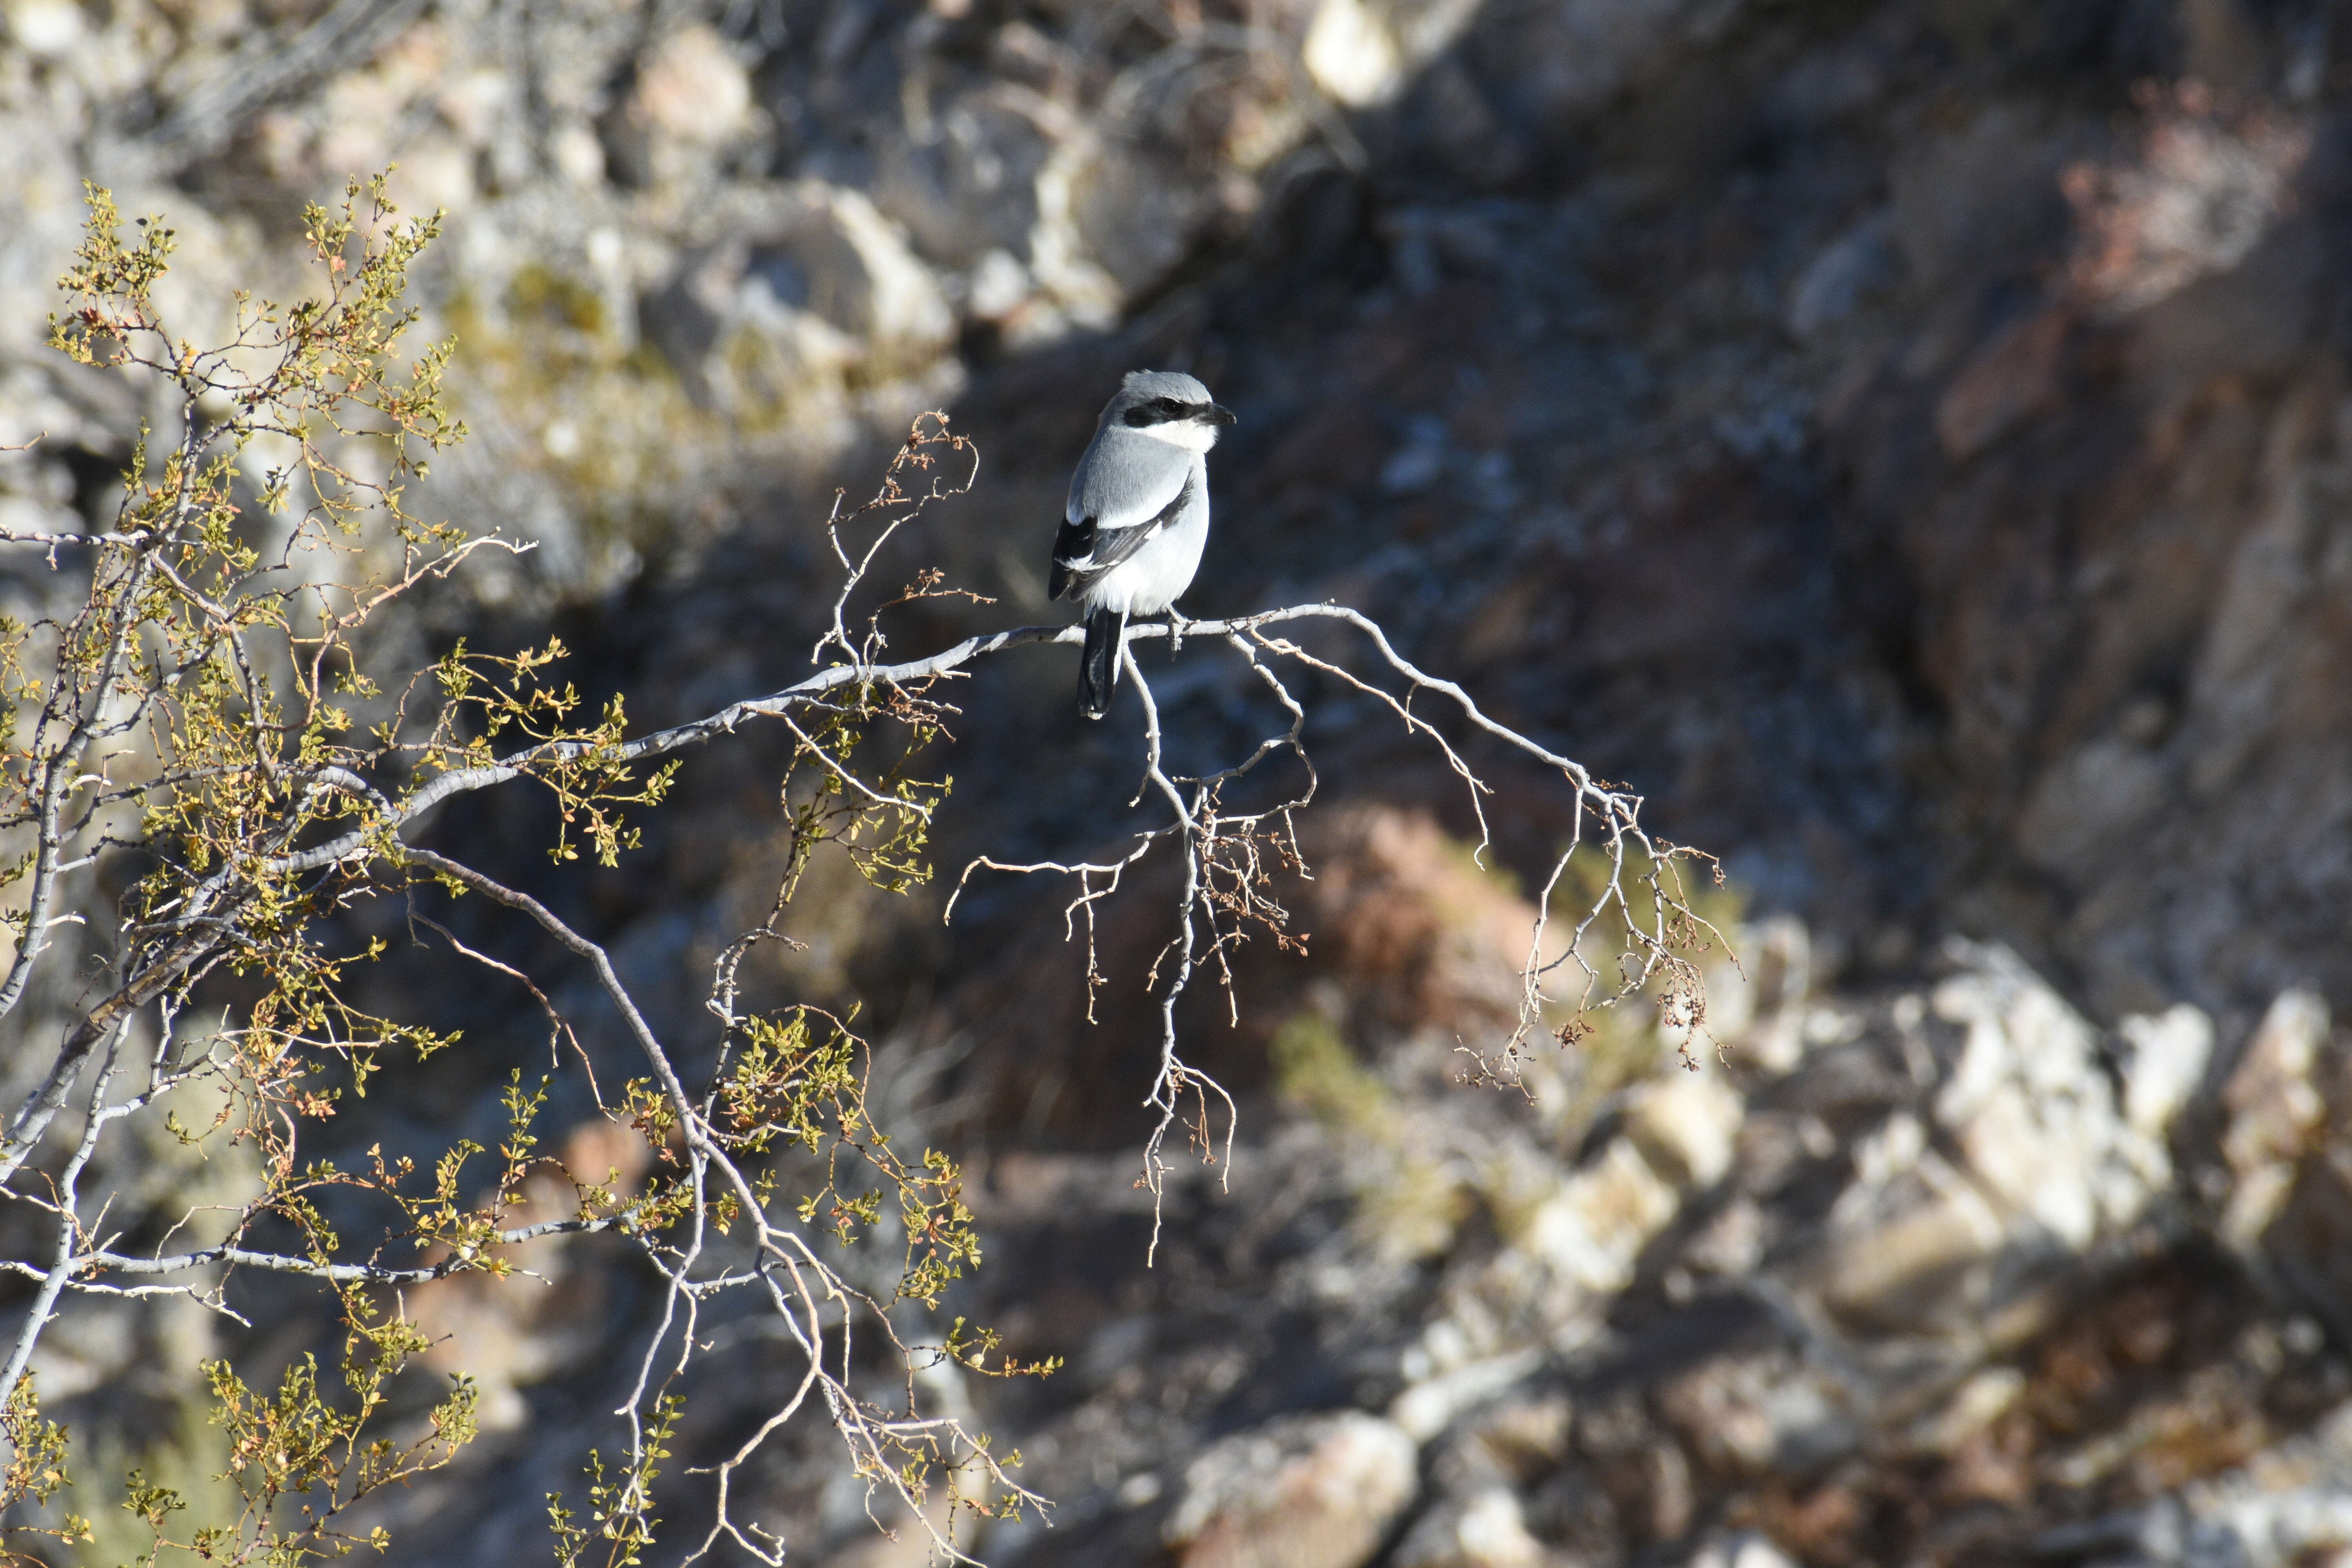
(1099,666)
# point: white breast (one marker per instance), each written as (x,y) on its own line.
(1150,579)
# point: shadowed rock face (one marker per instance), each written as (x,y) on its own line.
(1908,442)
(1925,498)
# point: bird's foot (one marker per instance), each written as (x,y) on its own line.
(1176,625)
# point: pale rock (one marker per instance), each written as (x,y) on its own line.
(692,87)
(1033,323)
(1318,1491)
(692,97)
(1428,1408)
(39,418)
(775,320)
(476,104)
(1908,1252)
(1831,1026)
(1977,1404)
(1444,1347)
(1752,1005)
(2274,1110)
(2197,200)
(1082,289)
(1730,999)
(44,492)
(2031,1107)
(351,135)
(43,225)
(1590,1231)
(1894,1147)
(2047,1166)
(998,286)
(366,120)
(1363,52)
(2016,1028)
(863,279)
(281,146)
(1684,1127)
(1520,1437)
(2272,1101)
(435,173)
(576,154)
(2019,1150)
(1036,60)
(1731,1243)
(1350,55)
(1487,1530)
(1776,1044)
(46,29)
(612,271)
(1745,1549)
(2242,694)
(2169,1055)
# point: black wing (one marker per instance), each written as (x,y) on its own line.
(1083,552)
(1075,542)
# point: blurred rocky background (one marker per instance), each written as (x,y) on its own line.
(1910,442)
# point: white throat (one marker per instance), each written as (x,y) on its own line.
(1187,433)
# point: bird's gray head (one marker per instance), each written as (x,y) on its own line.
(1168,405)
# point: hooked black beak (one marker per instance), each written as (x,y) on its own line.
(1219,414)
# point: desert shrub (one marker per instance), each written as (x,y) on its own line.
(208,768)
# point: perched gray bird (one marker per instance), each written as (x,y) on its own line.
(1138,515)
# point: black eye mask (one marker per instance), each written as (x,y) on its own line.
(1159,411)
